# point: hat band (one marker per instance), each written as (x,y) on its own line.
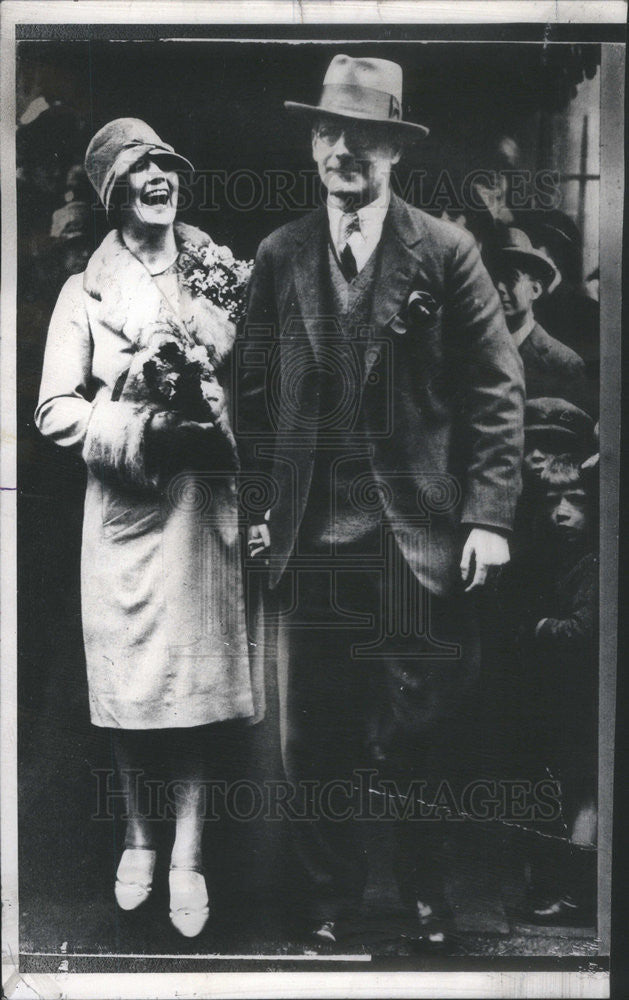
(343,99)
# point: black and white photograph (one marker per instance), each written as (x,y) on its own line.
(310,472)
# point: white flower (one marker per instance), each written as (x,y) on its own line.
(224,254)
(198,353)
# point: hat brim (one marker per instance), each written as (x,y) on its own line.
(533,261)
(410,131)
(126,159)
(551,429)
(181,161)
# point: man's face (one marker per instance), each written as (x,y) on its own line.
(566,510)
(518,291)
(152,191)
(354,160)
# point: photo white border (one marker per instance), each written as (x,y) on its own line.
(307,12)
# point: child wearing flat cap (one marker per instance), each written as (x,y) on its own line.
(560,654)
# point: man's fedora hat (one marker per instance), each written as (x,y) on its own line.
(516,249)
(368,90)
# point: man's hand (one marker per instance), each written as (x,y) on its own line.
(482,550)
(258,539)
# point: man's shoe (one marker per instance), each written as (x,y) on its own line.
(325,932)
(134,878)
(432,936)
(562,912)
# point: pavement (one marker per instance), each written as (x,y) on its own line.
(69,920)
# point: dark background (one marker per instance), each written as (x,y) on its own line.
(220,105)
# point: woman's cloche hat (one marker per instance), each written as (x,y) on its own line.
(369,90)
(117,146)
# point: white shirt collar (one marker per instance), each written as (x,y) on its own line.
(371,218)
(522,333)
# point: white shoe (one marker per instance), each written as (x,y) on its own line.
(189,904)
(134,878)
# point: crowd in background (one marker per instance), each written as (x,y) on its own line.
(541,645)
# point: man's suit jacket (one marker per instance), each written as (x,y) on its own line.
(551,368)
(442,395)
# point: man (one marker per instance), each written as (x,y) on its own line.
(523,276)
(567,312)
(382,393)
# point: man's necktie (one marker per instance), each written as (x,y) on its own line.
(350,224)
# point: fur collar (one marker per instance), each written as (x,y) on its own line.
(129,302)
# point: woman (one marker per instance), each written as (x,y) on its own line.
(132,381)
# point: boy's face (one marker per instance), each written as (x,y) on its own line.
(535,461)
(566,510)
(539,449)
(518,290)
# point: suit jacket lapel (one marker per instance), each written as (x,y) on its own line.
(399,260)
(308,268)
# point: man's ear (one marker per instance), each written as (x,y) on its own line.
(396,150)
(537,288)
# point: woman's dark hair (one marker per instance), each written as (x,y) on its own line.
(118,199)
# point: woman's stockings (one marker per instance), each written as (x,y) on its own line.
(135,757)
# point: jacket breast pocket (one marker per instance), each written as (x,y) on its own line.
(435,365)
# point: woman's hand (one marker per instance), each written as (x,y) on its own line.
(175,444)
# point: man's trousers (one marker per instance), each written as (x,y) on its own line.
(373,674)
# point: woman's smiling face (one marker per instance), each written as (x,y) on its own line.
(153,189)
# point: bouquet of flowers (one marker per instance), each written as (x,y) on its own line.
(172,372)
(171,369)
(214,273)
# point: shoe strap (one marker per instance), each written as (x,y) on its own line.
(200,869)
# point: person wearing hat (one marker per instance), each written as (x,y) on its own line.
(165,639)
(568,311)
(558,642)
(555,427)
(381,392)
(47,143)
(552,427)
(523,275)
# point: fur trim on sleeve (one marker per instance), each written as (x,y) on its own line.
(115,442)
